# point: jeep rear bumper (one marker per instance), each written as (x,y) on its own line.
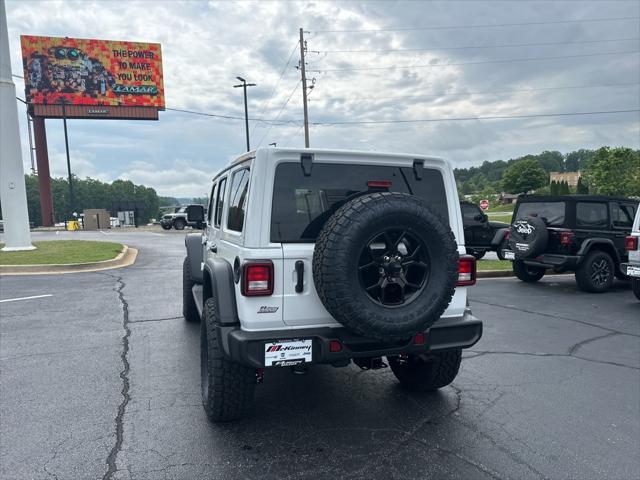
(447,334)
(557,262)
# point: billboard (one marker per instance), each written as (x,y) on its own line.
(92,72)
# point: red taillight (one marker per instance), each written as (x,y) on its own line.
(379,183)
(466,271)
(335,346)
(566,238)
(418,338)
(257,279)
(507,234)
(631,243)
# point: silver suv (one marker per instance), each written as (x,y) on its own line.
(323,256)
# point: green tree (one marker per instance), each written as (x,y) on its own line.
(582,187)
(614,171)
(578,159)
(564,188)
(550,161)
(553,188)
(524,176)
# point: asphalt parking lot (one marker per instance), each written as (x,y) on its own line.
(101,380)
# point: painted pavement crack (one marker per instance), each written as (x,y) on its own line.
(536,354)
(557,317)
(124,375)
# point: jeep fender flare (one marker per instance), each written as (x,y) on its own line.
(498,237)
(609,247)
(193,242)
(218,284)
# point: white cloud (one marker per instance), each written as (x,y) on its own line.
(205,45)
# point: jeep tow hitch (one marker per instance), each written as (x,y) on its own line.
(370,363)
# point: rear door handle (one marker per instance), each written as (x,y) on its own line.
(300,276)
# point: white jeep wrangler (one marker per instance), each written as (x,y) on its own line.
(318,256)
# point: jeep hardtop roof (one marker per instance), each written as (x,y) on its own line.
(573,198)
(325,151)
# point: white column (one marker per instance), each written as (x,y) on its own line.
(13,193)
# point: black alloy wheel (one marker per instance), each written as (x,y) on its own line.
(394,267)
(600,273)
(595,274)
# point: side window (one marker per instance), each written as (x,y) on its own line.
(622,215)
(212,202)
(238,199)
(222,187)
(469,213)
(592,215)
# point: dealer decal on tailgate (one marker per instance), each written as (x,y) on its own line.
(287,353)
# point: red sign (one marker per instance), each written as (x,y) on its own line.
(484,204)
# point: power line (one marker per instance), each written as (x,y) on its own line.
(486,25)
(444,94)
(266,105)
(509,60)
(460,119)
(231,117)
(280,112)
(505,45)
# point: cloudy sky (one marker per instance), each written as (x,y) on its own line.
(374,61)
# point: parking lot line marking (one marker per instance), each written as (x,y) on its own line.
(25,298)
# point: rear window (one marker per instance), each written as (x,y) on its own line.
(301,205)
(552,212)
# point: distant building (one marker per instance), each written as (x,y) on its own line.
(570,177)
(508,198)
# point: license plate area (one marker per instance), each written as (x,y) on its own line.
(508,255)
(287,353)
(633,271)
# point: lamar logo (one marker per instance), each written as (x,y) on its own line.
(285,348)
(264,309)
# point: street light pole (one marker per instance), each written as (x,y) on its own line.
(244,86)
(66,145)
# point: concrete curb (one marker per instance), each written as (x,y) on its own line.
(509,273)
(495,273)
(125,258)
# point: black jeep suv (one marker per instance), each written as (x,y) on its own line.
(584,234)
(481,234)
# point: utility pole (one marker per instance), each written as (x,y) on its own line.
(66,146)
(13,193)
(244,85)
(304,89)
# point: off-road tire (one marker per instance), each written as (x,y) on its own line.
(338,249)
(179,224)
(227,387)
(528,237)
(635,286)
(503,245)
(526,273)
(189,309)
(427,373)
(478,254)
(165,226)
(584,272)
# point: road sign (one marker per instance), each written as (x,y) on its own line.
(484,204)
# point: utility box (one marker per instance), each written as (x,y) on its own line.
(97,219)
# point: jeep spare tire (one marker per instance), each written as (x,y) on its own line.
(385,266)
(528,237)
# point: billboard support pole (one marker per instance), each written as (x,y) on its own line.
(66,146)
(44,176)
(13,192)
